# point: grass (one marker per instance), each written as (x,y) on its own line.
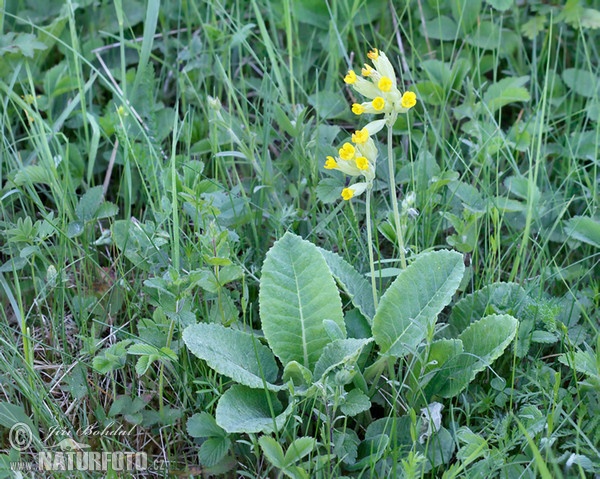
(153,152)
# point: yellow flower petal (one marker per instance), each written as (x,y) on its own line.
(357,109)
(347,193)
(409,99)
(350,77)
(367,71)
(360,136)
(362,163)
(378,103)
(373,54)
(347,151)
(330,164)
(385,84)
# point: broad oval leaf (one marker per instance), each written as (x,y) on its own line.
(297,292)
(235,354)
(411,304)
(244,410)
(484,341)
(584,229)
(582,82)
(495,298)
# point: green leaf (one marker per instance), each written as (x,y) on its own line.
(583,361)
(329,190)
(213,450)
(498,298)
(584,229)
(466,12)
(23,43)
(501,5)
(244,410)
(298,374)
(370,451)
(298,449)
(346,445)
(11,414)
(235,354)
(506,91)
(342,352)
(352,282)
(441,28)
(411,304)
(355,402)
(272,451)
(297,292)
(483,341)
(329,105)
(89,203)
(488,36)
(590,18)
(582,82)
(534,26)
(203,425)
(33,174)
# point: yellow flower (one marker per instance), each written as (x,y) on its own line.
(347,193)
(347,151)
(385,84)
(378,103)
(367,70)
(362,163)
(409,99)
(330,164)
(360,136)
(350,78)
(357,109)
(373,54)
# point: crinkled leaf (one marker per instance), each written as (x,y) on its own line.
(204,425)
(499,298)
(213,450)
(298,449)
(584,229)
(483,342)
(297,292)
(411,304)
(355,402)
(272,451)
(352,282)
(582,82)
(340,352)
(235,354)
(244,410)
(506,91)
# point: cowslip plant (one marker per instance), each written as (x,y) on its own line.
(308,353)
(379,85)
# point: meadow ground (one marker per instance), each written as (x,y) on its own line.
(300,239)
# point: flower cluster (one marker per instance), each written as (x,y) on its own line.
(378,84)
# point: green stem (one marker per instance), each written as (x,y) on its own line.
(370,246)
(393,197)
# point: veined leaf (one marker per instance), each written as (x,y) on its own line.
(412,302)
(483,342)
(584,229)
(353,283)
(245,410)
(342,351)
(297,292)
(233,353)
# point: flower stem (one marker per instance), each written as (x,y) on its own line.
(370,241)
(393,198)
